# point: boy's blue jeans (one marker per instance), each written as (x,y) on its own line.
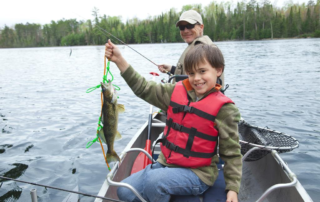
(158,183)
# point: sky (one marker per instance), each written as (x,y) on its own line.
(42,12)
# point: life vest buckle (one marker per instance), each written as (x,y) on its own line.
(171,146)
(176,126)
(187,108)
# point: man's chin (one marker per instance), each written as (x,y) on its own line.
(187,40)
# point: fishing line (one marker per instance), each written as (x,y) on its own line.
(60,189)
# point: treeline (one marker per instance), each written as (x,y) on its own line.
(224,21)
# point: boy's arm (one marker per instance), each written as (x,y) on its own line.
(153,93)
(229,148)
(156,94)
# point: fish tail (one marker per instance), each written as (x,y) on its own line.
(112,156)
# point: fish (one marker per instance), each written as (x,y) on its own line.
(110,110)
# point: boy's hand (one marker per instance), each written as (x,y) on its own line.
(232,196)
(113,54)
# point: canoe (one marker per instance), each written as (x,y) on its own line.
(266,178)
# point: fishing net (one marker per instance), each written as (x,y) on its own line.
(265,139)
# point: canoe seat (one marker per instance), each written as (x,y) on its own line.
(215,193)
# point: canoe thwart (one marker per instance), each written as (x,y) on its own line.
(121,184)
(159,125)
(140,150)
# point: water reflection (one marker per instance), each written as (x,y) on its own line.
(11,195)
(15,193)
(15,172)
(2,147)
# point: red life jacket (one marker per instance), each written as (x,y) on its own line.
(190,137)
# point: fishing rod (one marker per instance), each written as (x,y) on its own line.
(60,189)
(125,44)
(131,48)
(105,31)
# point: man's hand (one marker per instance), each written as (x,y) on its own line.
(164,68)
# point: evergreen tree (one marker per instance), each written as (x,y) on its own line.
(247,21)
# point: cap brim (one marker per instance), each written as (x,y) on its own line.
(191,21)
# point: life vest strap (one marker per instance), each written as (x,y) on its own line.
(176,108)
(185,152)
(193,132)
(184,129)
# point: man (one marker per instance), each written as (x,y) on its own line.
(191,31)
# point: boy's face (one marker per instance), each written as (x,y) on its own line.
(204,78)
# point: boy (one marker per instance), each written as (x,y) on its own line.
(197,114)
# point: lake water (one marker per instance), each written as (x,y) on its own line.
(47,118)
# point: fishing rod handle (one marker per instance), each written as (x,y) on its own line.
(154,74)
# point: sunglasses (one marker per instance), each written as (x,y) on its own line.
(188,26)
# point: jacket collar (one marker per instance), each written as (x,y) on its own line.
(192,93)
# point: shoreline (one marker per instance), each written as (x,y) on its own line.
(269,39)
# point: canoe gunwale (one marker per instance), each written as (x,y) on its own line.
(286,170)
(294,182)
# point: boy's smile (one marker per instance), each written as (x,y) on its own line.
(204,78)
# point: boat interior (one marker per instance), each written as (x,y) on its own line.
(258,176)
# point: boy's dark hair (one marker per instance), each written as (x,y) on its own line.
(202,53)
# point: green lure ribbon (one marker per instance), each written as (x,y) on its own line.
(97,135)
(104,80)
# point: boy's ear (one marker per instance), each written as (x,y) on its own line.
(219,71)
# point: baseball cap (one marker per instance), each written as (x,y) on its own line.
(190,16)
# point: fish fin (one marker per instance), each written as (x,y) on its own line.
(112,156)
(120,108)
(101,135)
(118,136)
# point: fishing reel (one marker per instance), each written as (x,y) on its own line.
(164,80)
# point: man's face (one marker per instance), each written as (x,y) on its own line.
(188,35)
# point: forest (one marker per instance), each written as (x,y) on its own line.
(222,21)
